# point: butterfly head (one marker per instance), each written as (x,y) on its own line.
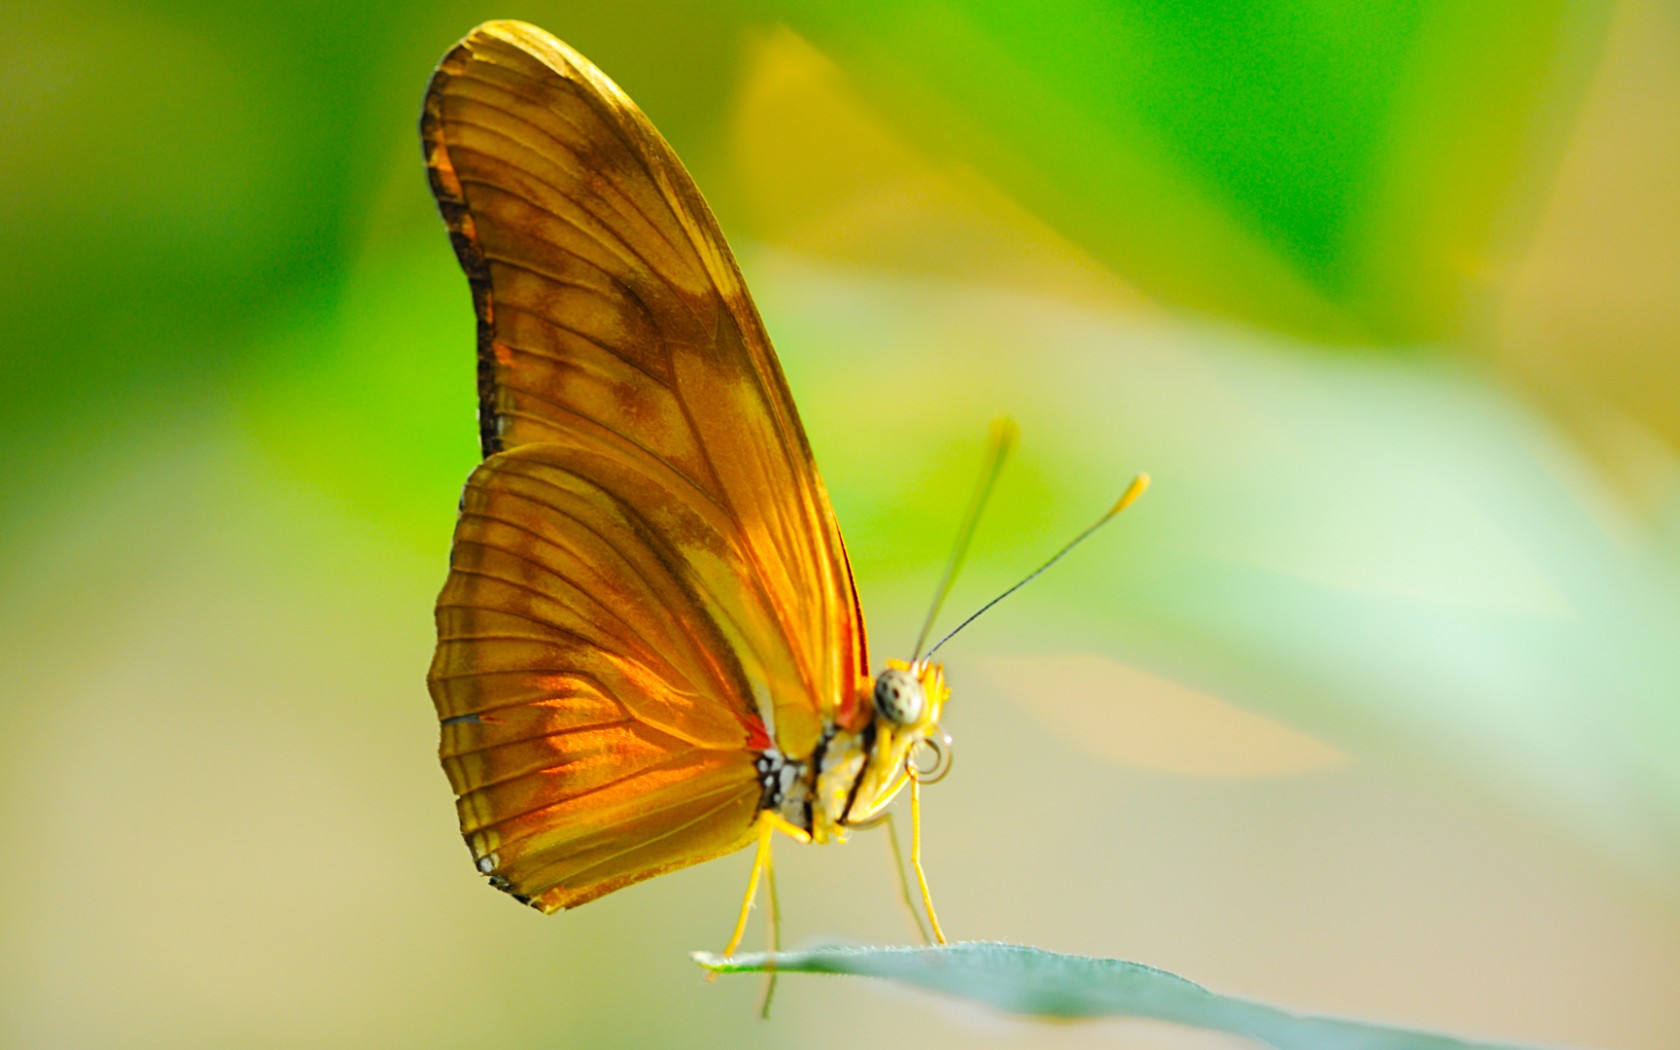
(900,698)
(863,769)
(908,700)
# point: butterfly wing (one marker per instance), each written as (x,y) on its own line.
(647,583)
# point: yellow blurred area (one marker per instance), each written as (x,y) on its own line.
(1147,722)
(1367,708)
(1589,316)
(823,176)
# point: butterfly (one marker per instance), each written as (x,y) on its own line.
(650,650)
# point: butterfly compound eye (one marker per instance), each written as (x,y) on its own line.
(899,697)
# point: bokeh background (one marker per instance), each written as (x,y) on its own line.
(1370,707)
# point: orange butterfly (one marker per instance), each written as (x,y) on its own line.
(650,651)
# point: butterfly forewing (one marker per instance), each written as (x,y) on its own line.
(646,570)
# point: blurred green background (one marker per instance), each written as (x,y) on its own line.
(1371,707)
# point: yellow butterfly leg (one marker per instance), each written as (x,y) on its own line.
(904,880)
(774,936)
(916,856)
(761,863)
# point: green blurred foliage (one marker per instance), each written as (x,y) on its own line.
(1346,171)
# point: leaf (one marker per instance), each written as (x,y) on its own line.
(1031,981)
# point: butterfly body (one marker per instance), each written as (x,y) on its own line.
(650,650)
(855,771)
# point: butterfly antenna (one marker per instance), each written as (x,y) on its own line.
(1003,437)
(1133,491)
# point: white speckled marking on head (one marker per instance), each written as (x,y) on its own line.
(899,697)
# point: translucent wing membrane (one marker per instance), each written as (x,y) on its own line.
(647,572)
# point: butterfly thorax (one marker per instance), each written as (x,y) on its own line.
(857,770)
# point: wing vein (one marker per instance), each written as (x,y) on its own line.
(707,815)
(611,119)
(672,758)
(623,249)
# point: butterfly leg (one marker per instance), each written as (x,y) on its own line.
(916,855)
(904,880)
(774,935)
(761,863)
